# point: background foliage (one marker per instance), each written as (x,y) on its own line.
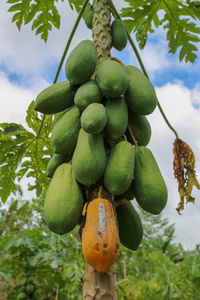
(159,270)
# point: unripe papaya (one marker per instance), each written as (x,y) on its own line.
(89,158)
(112,79)
(149,186)
(94,118)
(88,16)
(63,202)
(140,95)
(100,239)
(117,118)
(65,132)
(81,62)
(128,195)
(55,161)
(119,36)
(87,93)
(140,127)
(56,98)
(130,226)
(119,171)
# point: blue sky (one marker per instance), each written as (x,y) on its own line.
(27,66)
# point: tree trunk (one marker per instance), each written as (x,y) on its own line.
(101,286)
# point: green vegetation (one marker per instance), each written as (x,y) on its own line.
(159,269)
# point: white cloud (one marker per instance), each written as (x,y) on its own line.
(14,101)
(23,52)
(176,101)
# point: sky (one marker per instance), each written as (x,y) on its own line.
(28,65)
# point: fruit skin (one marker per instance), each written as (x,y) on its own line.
(87,93)
(117,114)
(88,16)
(89,158)
(56,98)
(140,127)
(119,36)
(100,239)
(21,296)
(149,186)
(81,62)
(119,171)
(140,95)
(55,161)
(63,201)
(112,78)
(130,226)
(128,195)
(65,132)
(94,118)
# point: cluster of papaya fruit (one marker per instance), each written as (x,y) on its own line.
(27,290)
(101,138)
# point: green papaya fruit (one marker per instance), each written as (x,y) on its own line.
(128,195)
(65,131)
(88,16)
(119,171)
(130,226)
(149,186)
(117,118)
(63,201)
(30,288)
(140,95)
(89,158)
(56,98)
(81,62)
(112,78)
(94,118)
(55,161)
(87,93)
(118,33)
(140,127)
(21,296)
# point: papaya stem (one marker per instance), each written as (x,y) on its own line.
(100,191)
(118,60)
(132,136)
(65,53)
(117,16)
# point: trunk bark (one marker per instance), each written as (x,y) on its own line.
(101,286)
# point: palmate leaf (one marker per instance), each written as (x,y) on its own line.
(76,4)
(24,154)
(44,14)
(179,19)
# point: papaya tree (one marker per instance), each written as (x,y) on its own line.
(98,144)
